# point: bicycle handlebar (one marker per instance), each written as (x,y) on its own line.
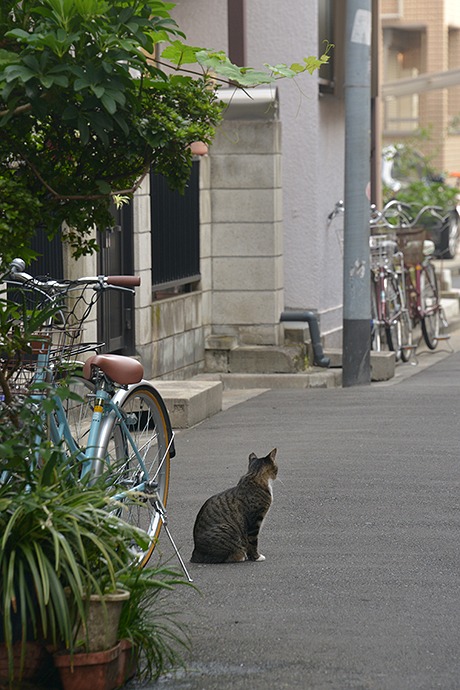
(123,281)
(401,215)
(394,210)
(126,282)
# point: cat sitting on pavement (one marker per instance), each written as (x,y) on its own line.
(227,526)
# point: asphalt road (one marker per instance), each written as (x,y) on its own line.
(360,588)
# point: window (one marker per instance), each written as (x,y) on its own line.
(402,51)
(175,222)
(331,16)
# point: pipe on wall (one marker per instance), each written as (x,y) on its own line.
(309,317)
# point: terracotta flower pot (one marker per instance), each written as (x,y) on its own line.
(89,671)
(127,665)
(36,657)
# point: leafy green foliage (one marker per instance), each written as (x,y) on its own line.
(156,632)
(424,186)
(85,111)
(59,543)
(219,65)
(419,194)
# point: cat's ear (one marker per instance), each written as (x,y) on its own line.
(272,454)
(252,456)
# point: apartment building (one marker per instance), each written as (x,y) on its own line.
(418,37)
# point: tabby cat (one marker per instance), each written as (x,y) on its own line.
(227,526)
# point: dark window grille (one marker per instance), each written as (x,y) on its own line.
(175,226)
(49,261)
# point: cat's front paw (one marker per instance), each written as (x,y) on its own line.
(260,557)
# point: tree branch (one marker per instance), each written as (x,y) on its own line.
(17,111)
(86,197)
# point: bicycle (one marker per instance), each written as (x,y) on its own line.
(391,326)
(114,420)
(391,323)
(421,282)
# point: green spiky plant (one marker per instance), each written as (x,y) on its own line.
(62,539)
(156,632)
(59,544)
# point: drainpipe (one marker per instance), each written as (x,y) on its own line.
(309,317)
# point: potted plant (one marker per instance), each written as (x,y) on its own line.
(59,547)
(151,634)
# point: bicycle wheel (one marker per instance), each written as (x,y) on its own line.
(376,328)
(430,306)
(145,432)
(405,324)
(393,331)
(144,436)
(399,333)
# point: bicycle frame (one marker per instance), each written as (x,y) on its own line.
(119,429)
(383,274)
(106,413)
(413,288)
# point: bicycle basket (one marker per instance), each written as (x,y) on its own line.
(410,242)
(382,250)
(47,331)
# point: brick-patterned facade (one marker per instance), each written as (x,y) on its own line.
(433,28)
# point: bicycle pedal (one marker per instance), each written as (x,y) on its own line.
(443,337)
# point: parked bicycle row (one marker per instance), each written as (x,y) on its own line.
(404,286)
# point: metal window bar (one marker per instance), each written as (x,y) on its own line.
(50,256)
(175,222)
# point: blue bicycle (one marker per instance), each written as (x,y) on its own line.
(111,421)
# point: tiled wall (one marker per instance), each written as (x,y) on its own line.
(170,332)
(247,247)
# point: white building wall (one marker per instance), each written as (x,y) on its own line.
(313,157)
(312,143)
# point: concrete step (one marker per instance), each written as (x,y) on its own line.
(257,359)
(190,402)
(451,306)
(312,378)
(382,363)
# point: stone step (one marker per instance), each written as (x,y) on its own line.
(190,402)
(257,359)
(451,306)
(313,378)
(382,363)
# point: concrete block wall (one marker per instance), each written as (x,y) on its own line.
(178,337)
(174,328)
(247,234)
(85,266)
(143,268)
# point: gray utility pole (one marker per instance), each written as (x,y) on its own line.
(356,277)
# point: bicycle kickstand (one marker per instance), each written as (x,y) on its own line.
(161,510)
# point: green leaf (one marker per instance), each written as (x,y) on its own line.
(109,103)
(103,186)
(281,70)
(180,54)
(18,33)
(46,81)
(19,72)
(98,91)
(221,65)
